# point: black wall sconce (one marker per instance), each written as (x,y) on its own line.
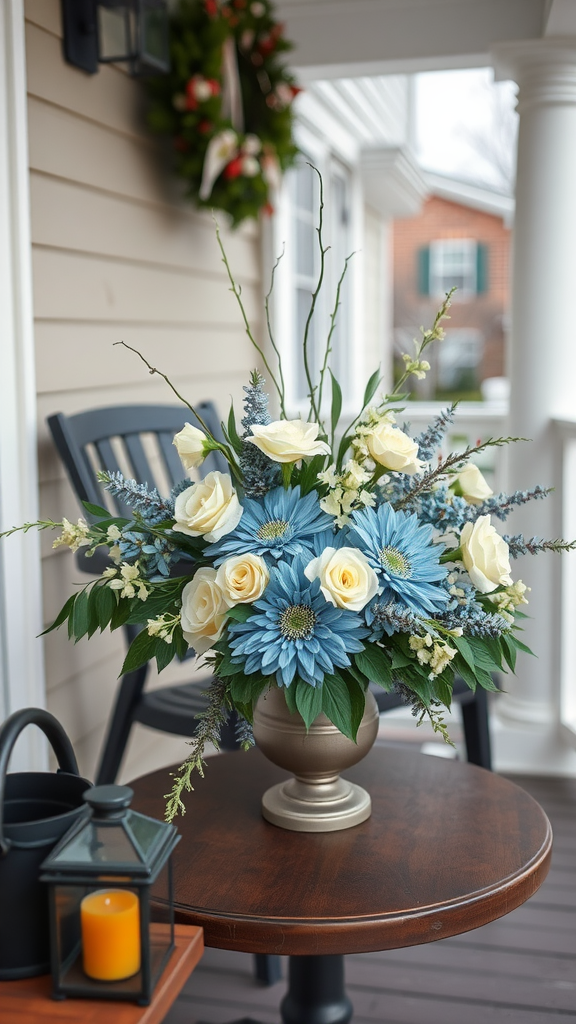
(107,31)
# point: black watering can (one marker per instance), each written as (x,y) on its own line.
(36,809)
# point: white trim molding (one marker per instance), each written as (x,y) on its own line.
(21,661)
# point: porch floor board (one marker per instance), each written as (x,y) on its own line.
(518,970)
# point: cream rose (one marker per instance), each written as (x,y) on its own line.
(346,578)
(242,578)
(288,440)
(203,611)
(485,555)
(208,509)
(393,449)
(190,445)
(472,486)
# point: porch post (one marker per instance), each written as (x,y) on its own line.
(541,370)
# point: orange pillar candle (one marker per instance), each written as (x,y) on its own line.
(110,920)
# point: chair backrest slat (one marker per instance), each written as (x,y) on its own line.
(140,466)
(73,434)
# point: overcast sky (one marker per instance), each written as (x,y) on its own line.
(466,125)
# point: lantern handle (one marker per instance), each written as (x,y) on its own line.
(56,736)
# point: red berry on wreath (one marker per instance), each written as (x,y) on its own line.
(211,8)
(205,126)
(180,144)
(233,169)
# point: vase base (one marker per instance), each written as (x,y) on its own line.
(301,807)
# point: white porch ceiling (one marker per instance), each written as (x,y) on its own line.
(352,38)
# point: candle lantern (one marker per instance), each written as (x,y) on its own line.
(111,901)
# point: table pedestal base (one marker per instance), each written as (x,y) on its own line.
(316,991)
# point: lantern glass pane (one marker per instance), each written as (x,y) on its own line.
(99,845)
(162,923)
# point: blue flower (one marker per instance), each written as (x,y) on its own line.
(279,524)
(295,631)
(401,552)
(155,554)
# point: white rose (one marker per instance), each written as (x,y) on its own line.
(393,449)
(472,485)
(485,555)
(203,611)
(346,578)
(242,578)
(190,445)
(288,440)
(208,509)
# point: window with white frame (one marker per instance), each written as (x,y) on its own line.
(454,264)
(304,260)
(459,358)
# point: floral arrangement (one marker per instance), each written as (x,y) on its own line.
(323,559)
(227,103)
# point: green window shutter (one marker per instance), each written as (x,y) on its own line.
(424,270)
(481,268)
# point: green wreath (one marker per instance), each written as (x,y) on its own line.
(227,103)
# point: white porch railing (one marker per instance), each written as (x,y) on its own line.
(566,434)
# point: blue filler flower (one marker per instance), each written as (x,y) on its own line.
(295,631)
(280,523)
(401,552)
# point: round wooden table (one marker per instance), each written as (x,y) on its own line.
(448,848)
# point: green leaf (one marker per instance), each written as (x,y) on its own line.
(357,695)
(308,701)
(63,614)
(509,650)
(443,690)
(96,510)
(461,643)
(105,605)
(485,680)
(240,612)
(375,665)
(141,650)
(464,670)
(80,616)
(308,477)
(232,432)
(336,402)
(371,387)
(400,660)
(164,654)
(121,613)
(93,621)
(523,647)
(290,695)
(337,706)
(179,643)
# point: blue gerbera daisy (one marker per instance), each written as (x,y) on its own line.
(295,631)
(401,552)
(280,523)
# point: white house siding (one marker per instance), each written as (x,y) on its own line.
(117,255)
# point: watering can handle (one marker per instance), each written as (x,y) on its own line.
(9,733)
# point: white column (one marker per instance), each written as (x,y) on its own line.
(21,665)
(542,354)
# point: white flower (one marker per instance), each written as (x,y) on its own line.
(472,486)
(113,533)
(288,440)
(485,555)
(190,444)
(355,474)
(346,578)
(128,582)
(73,537)
(203,612)
(242,578)
(329,476)
(208,509)
(393,449)
(251,145)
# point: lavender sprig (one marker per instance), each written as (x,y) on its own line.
(430,439)
(518,545)
(148,503)
(259,472)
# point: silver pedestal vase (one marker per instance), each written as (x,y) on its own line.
(316,799)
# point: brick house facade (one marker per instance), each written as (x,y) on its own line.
(453,241)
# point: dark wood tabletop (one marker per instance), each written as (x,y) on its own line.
(448,847)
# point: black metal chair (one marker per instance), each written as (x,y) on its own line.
(83,441)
